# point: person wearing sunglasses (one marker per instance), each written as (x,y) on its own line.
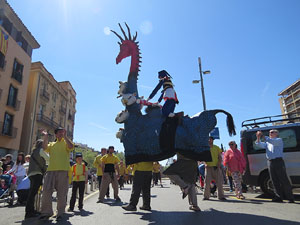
(274,153)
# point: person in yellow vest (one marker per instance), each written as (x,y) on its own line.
(156,174)
(80,178)
(98,165)
(141,183)
(122,169)
(57,173)
(109,167)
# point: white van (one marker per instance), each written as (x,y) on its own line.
(257,170)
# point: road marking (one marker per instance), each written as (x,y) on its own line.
(85,198)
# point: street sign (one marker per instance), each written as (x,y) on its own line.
(215,133)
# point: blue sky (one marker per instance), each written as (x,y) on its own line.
(251,47)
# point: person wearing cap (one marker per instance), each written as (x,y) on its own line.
(213,171)
(37,169)
(168,93)
(80,178)
(276,166)
(57,173)
(109,167)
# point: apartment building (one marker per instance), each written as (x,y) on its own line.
(290,99)
(16,46)
(50,104)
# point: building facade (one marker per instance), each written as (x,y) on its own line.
(290,100)
(16,46)
(50,104)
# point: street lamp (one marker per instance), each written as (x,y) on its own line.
(201,80)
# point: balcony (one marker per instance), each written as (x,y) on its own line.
(47,121)
(288,101)
(62,110)
(11,133)
(45,95)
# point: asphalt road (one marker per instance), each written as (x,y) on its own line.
(169,208)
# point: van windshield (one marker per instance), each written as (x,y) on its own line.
(288,137)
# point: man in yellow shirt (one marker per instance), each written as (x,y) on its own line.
(80,178)
(141,183)
(97,164)
(109,168)
(213,171)
(57,173)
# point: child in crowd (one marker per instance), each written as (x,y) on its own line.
(80,178)
(3,186)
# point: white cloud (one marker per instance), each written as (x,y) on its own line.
(146,27)
(265,90)
(98,126)
(106,30)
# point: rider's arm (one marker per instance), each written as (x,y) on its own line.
(158,86)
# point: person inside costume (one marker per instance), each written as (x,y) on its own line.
(168,93)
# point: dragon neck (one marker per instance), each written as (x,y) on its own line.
(134,70)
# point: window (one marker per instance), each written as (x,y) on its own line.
(7,125)
(288,137)
(2,60)
(12,96)
(42,109)
(17,71)
(52,115)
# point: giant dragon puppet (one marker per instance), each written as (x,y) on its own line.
(147,137)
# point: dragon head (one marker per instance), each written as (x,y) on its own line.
(128,47)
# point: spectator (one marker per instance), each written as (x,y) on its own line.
(109,168)
(36,171)
(26,164)
(156,174)
(276,166)
(236,164)
(213,172)
(80,178)
(141,183)
(57,173)
(18,169)
(7,161)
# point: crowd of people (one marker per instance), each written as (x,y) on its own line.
(49,166)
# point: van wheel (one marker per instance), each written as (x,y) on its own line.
(266,184)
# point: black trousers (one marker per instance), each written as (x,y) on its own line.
(99,182)
(35,183)
(280,179)
(121,181)
(77,185)
(141,183)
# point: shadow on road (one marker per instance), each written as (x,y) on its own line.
(211,216)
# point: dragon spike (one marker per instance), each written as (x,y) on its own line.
(119,43)
(117,35)
(126,38)
(129,35)
(135,36)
